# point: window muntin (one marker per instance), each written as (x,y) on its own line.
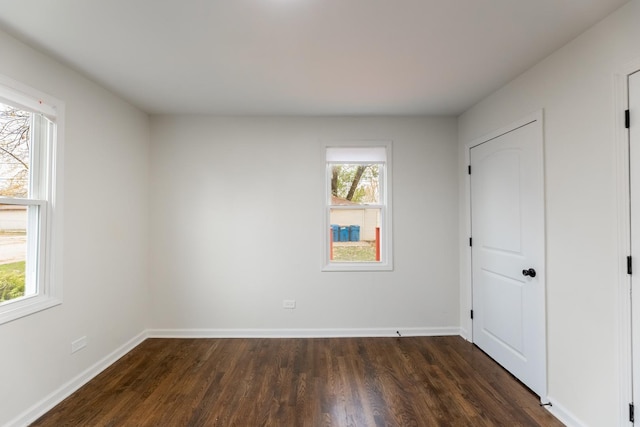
(29,146)
(357,218)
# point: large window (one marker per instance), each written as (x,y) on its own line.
(30,136)
(357,226)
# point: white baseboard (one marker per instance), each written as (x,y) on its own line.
(562,414)
(64,391)
(57,396)
(301,333)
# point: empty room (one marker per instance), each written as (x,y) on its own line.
(319,212)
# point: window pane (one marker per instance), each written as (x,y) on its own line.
(15,141)
(13,251)
(355,235)
(355,184)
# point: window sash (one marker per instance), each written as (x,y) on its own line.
(356,207)
(35,244)
(382,181)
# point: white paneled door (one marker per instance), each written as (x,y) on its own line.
(508,270)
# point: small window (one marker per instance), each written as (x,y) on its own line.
(357,231)
(29,139)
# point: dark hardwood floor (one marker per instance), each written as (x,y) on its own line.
(409,381)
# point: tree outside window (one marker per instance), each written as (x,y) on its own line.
(15,142)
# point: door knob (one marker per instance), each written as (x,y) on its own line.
(530,272)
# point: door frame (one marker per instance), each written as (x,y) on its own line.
(623,188)
(466,292)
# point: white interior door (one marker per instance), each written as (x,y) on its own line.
(634,183)
(508,250)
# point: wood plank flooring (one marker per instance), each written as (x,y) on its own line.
(409,381)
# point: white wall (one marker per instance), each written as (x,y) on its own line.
(575,87)
(105,263)
(237,225)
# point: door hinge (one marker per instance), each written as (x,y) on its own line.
(629,267)
(469,169)
(627,119)
(472,314)
(631,412)
(470,241)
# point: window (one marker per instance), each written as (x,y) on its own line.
(30,137)
(357,225)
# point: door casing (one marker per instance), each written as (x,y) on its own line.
(627,375)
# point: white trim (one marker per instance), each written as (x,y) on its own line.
(562,414)
(621,138)
(25,97)
(64,391)
(358,154)
(355,207)
(55,211)
(26,306)
(530,118)
(22,202)
(303,333)
(464,333)
(466,283)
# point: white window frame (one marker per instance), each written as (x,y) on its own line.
(44,203)
(386,239)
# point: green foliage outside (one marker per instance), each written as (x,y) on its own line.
(356,183)
(354,253)
(12,280)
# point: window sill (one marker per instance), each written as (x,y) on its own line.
(357,266)
(25,307)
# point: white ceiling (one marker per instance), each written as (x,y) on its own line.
(301,57)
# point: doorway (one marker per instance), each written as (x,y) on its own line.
(508,249)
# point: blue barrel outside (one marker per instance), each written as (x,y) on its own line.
(354,233)
(344,234)
(335,232)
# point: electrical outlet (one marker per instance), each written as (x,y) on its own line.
(78,344)
(289,303)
